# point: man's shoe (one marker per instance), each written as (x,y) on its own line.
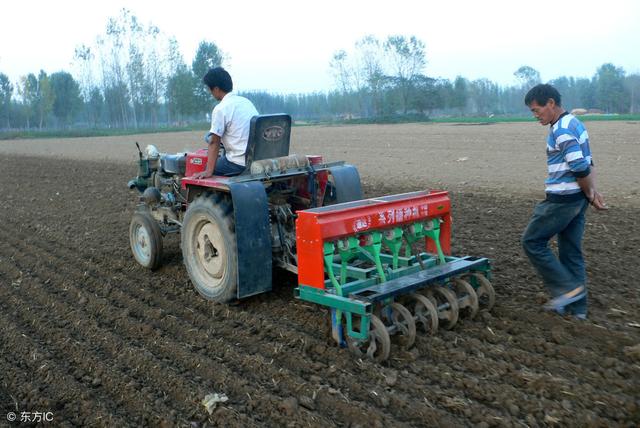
(558,304)
(556,311)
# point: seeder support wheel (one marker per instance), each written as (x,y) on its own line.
(404,324)
(425,313)
(377,347)
(446,303)
(486,293)
(467,297)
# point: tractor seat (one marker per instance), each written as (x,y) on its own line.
(269,138)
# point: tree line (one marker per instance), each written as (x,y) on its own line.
(134,76)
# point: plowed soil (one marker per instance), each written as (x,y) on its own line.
(93,338)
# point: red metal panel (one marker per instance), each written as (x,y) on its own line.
(309,249)
(316,226)
(215,182)
(196,162)
(445,237)
(301,183)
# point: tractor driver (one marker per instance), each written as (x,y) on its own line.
(230,121)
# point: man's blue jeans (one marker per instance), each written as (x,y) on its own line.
(567,271)
(227,168)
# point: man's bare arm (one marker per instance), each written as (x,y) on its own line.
(588,186)
(214,148)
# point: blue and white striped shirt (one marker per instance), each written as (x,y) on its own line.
(568,157)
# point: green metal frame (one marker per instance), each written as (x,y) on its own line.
(343,260)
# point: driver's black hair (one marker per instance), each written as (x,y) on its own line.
(219,77)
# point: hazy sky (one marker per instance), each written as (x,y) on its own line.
(286,46)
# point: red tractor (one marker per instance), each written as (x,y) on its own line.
(360,258)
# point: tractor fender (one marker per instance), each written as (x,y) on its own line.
(253,236)
(347,182)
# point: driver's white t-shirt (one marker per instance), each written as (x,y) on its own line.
(230,120)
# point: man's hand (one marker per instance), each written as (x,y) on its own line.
(203,174)
(597,201)
(588,186)
(212,155)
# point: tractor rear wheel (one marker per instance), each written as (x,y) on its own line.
(209,248)
(145,239)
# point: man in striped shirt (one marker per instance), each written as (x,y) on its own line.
(570,188)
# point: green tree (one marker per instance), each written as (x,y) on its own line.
(460,94)
(136,77)
(156,78)
(66,97)
(95,106)
(133,61)
(527,76)
(46,98)
(407,59)
(585,91)
(610,92)
(6,91)
(361,77)
(116,105)
(341,71)
(207,56)
(83,58)
(485,96)
(426,96)
(180,96)
(632,84)
(370,77)
(343,75)
(28,91)
(175,63)
(121,56)
(174,59)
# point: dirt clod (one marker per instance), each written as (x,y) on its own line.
(633,352)
(289,406)
(391,379)
(307,402)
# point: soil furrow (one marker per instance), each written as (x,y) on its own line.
(477,396)
(130,324)
(114,329)
(351,389)
(447,393)
(60,392)
(67,273)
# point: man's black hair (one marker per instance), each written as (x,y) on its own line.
(541,94)
(219,77)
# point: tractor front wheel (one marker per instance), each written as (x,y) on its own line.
(209,248)
(146,240)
